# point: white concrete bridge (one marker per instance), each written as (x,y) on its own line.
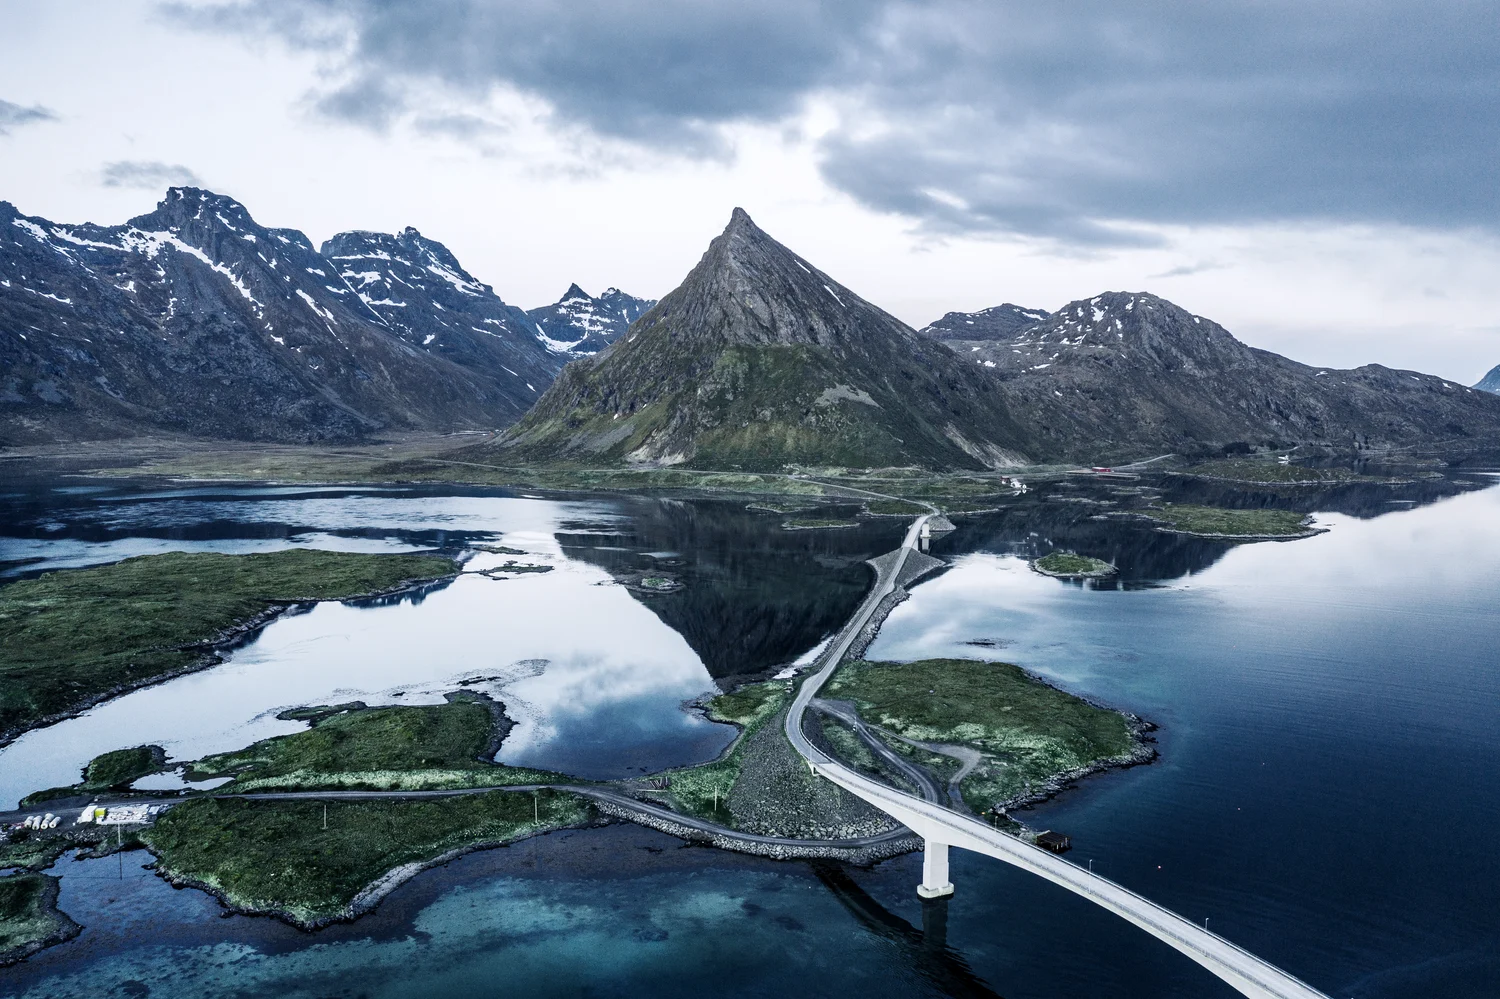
(942,827)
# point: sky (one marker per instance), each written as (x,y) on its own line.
(1322,179)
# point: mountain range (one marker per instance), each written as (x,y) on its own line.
(580,324)
(195,319)
(759,360)
(1125,372)
(994,323)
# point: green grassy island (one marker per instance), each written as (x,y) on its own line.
(112,771)
(276,857)
(816,523)
(1030,736)
(72,638)
(29,918)
(1070,566)
(1220,522)
(351,747)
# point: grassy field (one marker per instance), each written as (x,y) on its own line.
(1028,731)
(408,747)
(704,790)
(1223,522)
(894,508)
(276,856)
(816,523)
(1269,471)
(1069,564)
(72,637)
(28,915)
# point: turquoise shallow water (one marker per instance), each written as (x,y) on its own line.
(1325,796)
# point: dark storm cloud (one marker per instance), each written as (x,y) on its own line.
(1083,121)
(147,175)
(12,115)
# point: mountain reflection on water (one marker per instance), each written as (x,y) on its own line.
(755,596)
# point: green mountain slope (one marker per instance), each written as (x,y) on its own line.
(759,360)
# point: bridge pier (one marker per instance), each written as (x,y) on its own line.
(935,883)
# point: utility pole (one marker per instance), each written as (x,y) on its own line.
(325,816)
(536,812)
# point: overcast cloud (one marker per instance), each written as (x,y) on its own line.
(1088,122)
(1318,177)
(12,115)
(147,176)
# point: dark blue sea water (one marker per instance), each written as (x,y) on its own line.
(1326,794)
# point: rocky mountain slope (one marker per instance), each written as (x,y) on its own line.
(759,360)
(995,323)
(195,319)
(1491,381)
(1122,374)
(580,324)
(420,292)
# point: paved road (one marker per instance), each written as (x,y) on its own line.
(1247,973)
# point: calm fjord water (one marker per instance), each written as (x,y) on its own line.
(1326,794)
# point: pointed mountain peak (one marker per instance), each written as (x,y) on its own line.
(574,292)
(758,360)
(183,206)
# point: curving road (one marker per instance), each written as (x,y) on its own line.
(942,827)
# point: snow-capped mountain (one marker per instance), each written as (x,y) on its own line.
(418,289)
(195,319)
(581,324)
(1491,381)
(1124,372)
(994,323)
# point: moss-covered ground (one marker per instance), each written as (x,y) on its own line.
(32,851)
(28,915)
(1027,731)
(71,637)
(407,747)
(1248,470)
(1229,523)
(277,856)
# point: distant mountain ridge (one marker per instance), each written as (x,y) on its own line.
(1123,372)
(994,323)
(195,319)
(759,360)
(579,324)
(1491,381)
